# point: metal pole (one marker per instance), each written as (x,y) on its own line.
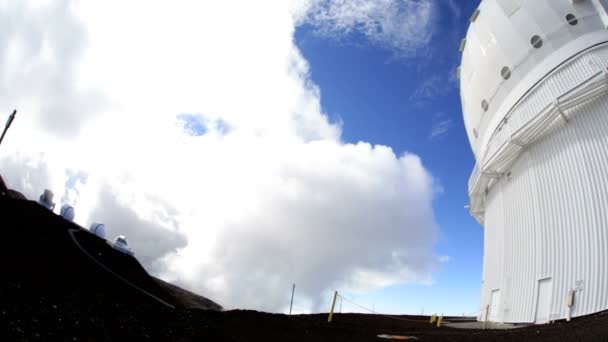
(333,304)
(293,289)
(485,321)
(8,124)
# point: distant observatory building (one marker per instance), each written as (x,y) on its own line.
(533,84)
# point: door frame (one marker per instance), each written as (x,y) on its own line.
(498,318)
(537,301)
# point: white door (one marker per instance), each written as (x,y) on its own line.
(543,301)
(494,306)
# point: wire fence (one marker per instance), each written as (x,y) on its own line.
(373,311)
(381,314)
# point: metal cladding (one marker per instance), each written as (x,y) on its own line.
(534,84)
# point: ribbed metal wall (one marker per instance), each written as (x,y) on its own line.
(548,216)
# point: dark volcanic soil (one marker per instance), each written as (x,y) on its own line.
(51,291)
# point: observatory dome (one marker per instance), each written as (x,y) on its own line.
(510,46)
(46,199)
(120,243)
(67,212)
(533,86)
(98,229)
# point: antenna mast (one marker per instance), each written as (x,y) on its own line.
(8,124)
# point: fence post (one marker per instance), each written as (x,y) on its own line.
(333,304)
(485,321)
(293,289)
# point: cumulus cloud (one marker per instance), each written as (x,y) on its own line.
(347,216)
(251,191)
(400,25)
(29,174)
(41,47)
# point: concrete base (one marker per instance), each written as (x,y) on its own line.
(480,325)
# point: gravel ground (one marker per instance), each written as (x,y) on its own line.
(51,291)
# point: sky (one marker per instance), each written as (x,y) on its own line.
(244,146)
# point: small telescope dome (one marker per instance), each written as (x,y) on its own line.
(98,229)
(67,212)
(121,240)
(121,244)
(46,199)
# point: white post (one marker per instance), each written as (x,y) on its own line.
(485,321)
(569,303)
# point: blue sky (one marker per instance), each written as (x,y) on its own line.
(410,103)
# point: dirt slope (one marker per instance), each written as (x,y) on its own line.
(51,291)
(44,254)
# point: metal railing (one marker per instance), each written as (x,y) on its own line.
(513,135)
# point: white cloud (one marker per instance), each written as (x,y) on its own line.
(240,213)
(455,8)
(400,25)
(41,47)
(441,124)
(329,213)
(434,87)
(441,128)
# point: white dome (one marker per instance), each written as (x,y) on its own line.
(67,212)
(121,240)
(512,44)
(121,244)
(98,229)
(46,199)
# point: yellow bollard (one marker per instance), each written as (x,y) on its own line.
(439,321)
(433,318)
(331,311)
